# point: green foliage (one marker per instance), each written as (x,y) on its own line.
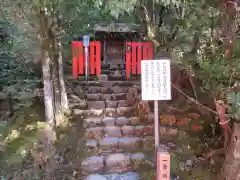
(18,135)
(94,12)
(18,81)
(234,102)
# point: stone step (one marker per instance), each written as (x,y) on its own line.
(108,104)
(114,176)
(107,90)
(119,143)
(119,131)
(104,88)
(87,112)
(112,112)
(106,97)
(107,87)
(112,163)
(103,83)
(118,121)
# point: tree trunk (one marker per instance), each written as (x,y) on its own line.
(60,97)
(64,99)
(59,114)
(49,135)
(48,90)
(231,166)
(52,94)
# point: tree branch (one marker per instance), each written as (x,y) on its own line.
(25,17)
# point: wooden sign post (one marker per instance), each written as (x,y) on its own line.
(156,85)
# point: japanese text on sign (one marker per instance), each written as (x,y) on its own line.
(163,165)
(164,170)
(156,80)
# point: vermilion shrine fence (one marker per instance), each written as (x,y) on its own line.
(78,61)
(135,52)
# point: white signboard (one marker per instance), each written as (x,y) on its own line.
(156,80)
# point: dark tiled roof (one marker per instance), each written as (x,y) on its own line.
(117,27)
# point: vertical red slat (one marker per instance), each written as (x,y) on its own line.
(139,57)
(80,58)
(98,57)
(83,59)
(74,60)
(150,51)
(92,58)
(128,59)
(145,52)
(134,58)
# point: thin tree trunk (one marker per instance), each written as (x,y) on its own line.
(49,130)
(64,99)
(48,91)
(59,114)
(57,71)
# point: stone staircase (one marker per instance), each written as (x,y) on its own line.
(117,139)
(114,134)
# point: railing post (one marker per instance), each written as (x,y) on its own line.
(98,58)
(92,58)
(134,58)
(147,51)
(150,50)
(139,57)
(81,58)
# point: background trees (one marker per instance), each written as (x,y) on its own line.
(36,39)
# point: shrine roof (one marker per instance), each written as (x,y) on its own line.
(117,27)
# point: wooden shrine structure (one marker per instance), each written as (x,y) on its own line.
(118,47)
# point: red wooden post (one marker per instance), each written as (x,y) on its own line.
(92,58)
(134,58)
(128,59)
(81,62)
(139,57)
(150,51)
(145,51)
(98,57)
